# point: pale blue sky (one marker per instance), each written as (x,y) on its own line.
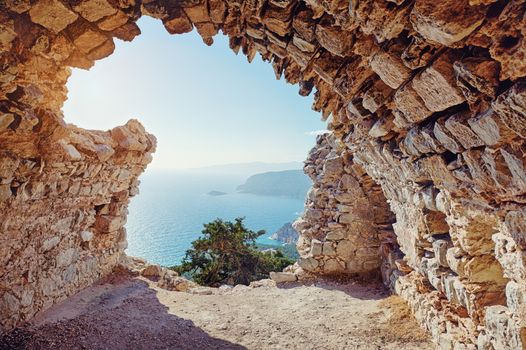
(205,104)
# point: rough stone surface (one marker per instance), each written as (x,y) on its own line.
(281,277)
(421,178)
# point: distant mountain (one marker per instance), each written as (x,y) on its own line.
(286,234)
(288,183)
(246,168)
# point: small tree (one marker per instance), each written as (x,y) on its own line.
(226,253)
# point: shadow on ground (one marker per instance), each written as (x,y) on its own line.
(118,320)
(356,288)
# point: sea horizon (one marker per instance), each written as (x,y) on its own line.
(172,206)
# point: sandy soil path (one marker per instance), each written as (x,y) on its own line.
(132,313)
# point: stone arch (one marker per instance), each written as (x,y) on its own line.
(429,105)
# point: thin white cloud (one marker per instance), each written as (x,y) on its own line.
(316,132)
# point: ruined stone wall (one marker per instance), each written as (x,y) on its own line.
(62,212)
(424,99)
(347,225)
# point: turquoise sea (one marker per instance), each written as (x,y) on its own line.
(172,206)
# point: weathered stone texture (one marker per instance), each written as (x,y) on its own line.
(421,177)
(344,214)
(63,214)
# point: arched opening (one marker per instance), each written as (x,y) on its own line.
(417,98)
(218,121)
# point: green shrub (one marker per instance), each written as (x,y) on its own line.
(226,253)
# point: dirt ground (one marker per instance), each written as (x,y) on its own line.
(128,312)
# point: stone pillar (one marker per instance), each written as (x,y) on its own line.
(346,217)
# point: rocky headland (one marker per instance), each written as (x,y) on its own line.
(286,234)
(288,183)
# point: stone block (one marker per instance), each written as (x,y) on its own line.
(435,222)
(419,52)
(316,247)
(152,270)
(328,249)
(333,266)
(5,120)
(113,22)
(308,264)
(484,269)
(93,10)
(5,193)
(411,105)
(490,129)
(476,171)
(198,14)
(440,248)
(474,234)
(178,23)
(354,266)
(516,298)
(511,108)
(376,96)
(367,253)
(302,24)
(327,67)
(459,128)
(330,37)
(434,21)
(476,76)
(303,45)
(444,136)
(217,11)
(373,21)
(70,152)
(335,235)
(18,6)
(109,223)
(516,164)
(497,168)
(345,249)
(515,223)
(428,134)
(52,14)
(415,144)
(127,32)
(277,26)
(282,277)
(101,51)
(390,68)
(438,171)
(382,126)
(50,243)
(437,86)
(9,303)
(86,236)
(87,38)
(127,139)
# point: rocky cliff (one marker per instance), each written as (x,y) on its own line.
(288,183)
(286,234)
(421,177)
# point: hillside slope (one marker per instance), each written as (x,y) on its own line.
(288,183)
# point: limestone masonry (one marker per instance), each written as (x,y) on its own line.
(421,178)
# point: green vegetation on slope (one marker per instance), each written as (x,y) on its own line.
(287,250)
